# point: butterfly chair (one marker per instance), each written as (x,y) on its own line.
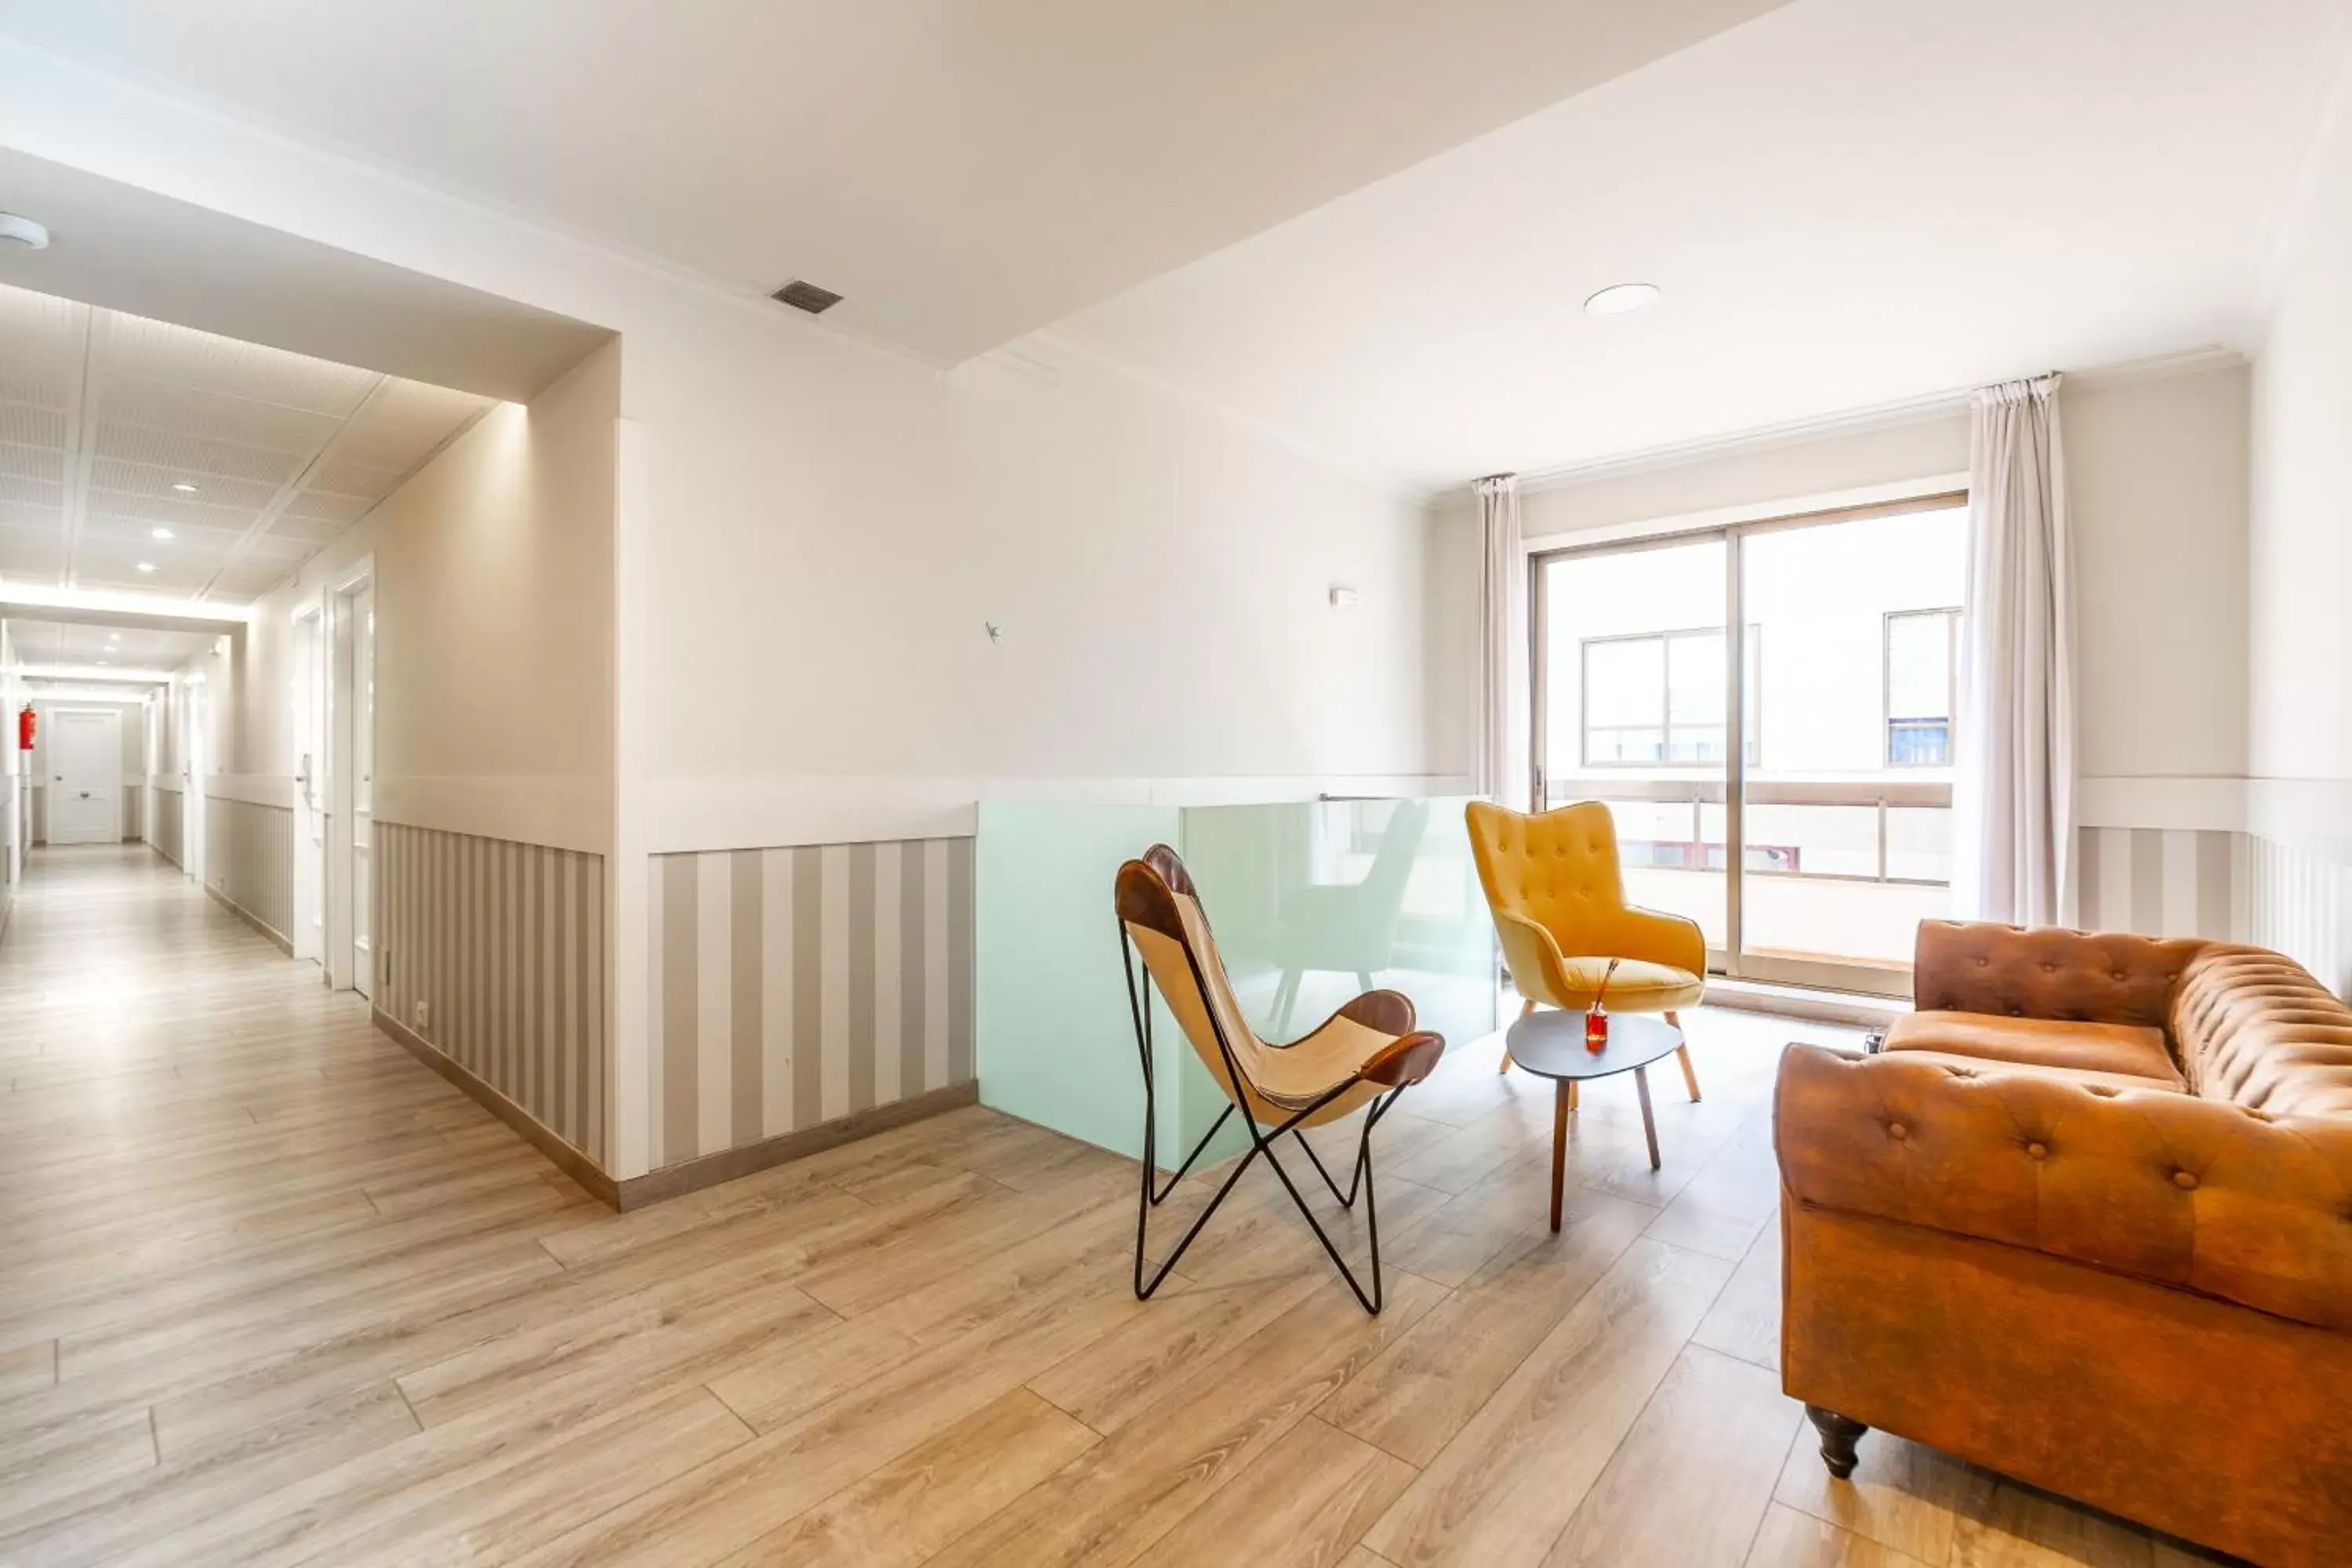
(1362,1057)
(1559,903)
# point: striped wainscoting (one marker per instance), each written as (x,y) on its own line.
(795,986)
(2301,904)
(2162,881)
(249,860)
(168,811)
(502,944)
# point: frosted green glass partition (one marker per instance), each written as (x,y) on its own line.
(1056,1042)
(1316,901)
(1312,901)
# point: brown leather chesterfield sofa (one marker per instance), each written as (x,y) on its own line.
(2086,1220)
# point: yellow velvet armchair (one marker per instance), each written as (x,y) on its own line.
(1559,903)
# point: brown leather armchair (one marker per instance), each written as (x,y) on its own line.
(2087,1221)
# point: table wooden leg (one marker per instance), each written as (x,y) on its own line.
(1572,1087)
(1649,1127)
(1563,1092)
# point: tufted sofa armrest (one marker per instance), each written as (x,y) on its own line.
(2195,1193)
(2092,977)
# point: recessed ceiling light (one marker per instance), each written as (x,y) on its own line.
(160,534)
(1622,300)
(22,231)
(184,487)
(146,567)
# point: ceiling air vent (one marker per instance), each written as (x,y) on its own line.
(806,297)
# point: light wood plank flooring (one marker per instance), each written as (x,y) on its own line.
(270,1292)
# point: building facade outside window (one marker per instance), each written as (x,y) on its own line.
(1658,697)
(1922,657)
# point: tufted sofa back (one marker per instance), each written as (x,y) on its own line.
(2090,977)
(2246,1024)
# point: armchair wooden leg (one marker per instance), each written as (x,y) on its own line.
(1525,1008)
(1682,1053)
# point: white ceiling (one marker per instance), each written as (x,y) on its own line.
(963,171)
(130,249)
(43,646)
(1848,204)
(103,415)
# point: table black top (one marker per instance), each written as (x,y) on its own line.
(1550,1043)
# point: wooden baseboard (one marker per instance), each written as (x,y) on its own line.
(277,938)
(537,1134)
(692,1175)
(708,1171)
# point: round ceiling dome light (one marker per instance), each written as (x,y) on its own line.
(23,232)
(1622,300)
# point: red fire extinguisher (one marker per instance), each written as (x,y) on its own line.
(25,728)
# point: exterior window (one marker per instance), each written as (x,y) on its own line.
(1922,659)
(1657,700)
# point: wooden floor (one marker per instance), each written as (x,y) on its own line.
(271,1292)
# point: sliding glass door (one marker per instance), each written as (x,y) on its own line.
(1806,824)
(1632,709)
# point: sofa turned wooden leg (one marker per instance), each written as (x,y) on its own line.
(1839,1435)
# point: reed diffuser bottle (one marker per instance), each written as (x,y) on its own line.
(1596,1017)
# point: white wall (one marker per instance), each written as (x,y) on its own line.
(2301,669)
(834,527)
(2299,675)
(494,625)
(2156,485)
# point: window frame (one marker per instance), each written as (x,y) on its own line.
(1886,715)
(1751,737)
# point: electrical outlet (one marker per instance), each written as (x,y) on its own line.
(424,1016)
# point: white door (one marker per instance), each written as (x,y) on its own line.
(195,743)
(85,776)
(309,801)
(363,711)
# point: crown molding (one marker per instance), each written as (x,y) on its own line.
(1862,421)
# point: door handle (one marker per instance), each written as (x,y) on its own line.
(85,794)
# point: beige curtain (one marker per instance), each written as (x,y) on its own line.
(2013,763)
(1502,665)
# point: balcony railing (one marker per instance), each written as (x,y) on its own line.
(1904,845)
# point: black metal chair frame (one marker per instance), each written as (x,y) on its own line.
(1262,1141)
